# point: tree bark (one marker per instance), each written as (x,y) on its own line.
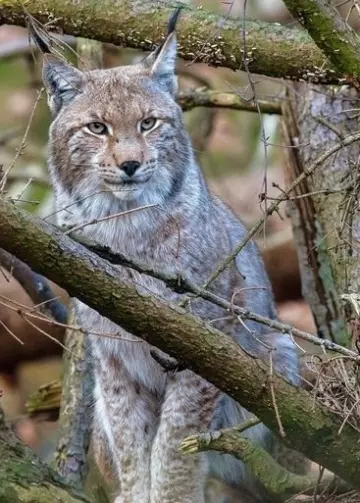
(309,427)
(23,478)
(202,35)
(326,224)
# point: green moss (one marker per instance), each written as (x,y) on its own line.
(330,32)
(140,24)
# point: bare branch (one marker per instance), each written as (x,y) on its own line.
(181,284)
(307,171)
(232,100)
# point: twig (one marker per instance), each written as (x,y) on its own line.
(273,398)
(26,311)
(23,47)
(181,285)
(43,332)
(22,146)
(246,58)
(11,332)
(307,171)
(108,217)
(40,180)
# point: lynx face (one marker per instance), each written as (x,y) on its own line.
(117,129)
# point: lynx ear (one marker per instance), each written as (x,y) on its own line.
(162,61)
(62,81)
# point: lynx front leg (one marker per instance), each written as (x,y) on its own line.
(127,415)
(187,409)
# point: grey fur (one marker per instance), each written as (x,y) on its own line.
(142,414)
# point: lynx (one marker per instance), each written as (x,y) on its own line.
(118,143)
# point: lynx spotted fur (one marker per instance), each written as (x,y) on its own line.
(118,142)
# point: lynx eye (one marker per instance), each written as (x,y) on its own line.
(97,128)
(147,124)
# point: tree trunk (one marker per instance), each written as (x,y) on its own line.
(326,224)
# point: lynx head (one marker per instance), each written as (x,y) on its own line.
(117,129)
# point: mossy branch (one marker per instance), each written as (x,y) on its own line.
(273,50)
(331,33)
(276,479)
(23,478)
(310,428)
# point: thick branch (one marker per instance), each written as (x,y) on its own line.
(70,459)
(309,427)
(202,35)
(23,478)
(330,32)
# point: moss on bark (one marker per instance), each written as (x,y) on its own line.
(309,427)
(330,32)
(23,478)
(273,49)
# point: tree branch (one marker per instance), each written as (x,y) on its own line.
(310,428)
(330,32)
(276,479)
(23,478)
(210,38)
(231,100)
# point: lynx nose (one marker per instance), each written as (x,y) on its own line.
(130,167)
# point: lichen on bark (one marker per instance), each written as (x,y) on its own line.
(203,35)
(326,225)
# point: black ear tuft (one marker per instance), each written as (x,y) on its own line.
(173,20)
(38,34)
(161,62)
(62,81)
